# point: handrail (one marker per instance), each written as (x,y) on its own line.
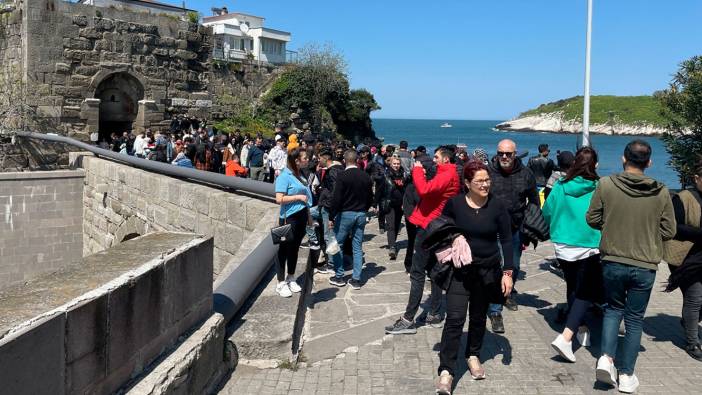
(231,292)
(242,184)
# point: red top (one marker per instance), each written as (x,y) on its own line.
(434,193)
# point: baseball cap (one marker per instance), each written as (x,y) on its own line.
(421,148)
(278,137)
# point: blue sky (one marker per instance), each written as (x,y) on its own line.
(491,59)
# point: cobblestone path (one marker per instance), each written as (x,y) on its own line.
(346,351)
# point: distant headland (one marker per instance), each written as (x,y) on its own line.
(611,115)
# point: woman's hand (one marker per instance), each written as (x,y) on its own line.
(507,285)
(302,198)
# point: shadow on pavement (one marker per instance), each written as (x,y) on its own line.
(665,328)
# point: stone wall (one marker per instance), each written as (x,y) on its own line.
(11,63)
(42,226)
(70,49)
(96,326)
(237,86)
(120,201)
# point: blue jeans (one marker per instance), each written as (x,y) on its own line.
(350,223)
(517,254)
(317,215)
(627,291)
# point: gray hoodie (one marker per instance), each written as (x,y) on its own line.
(635,214)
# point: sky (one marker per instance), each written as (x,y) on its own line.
(490,59)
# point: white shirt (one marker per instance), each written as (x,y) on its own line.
(278,157)
(573,253)
(139,144)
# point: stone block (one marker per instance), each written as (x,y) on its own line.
(62,68)
(236,211)
(255,211)
(186,220)
(229,238)
(86,344)
(89,32)
(39,351)
(185,55)
(135,319)
(49,111)
(80,20)
(218,205)
(204,225)
(104,25)
(187,196)
(77,43)
(188,283)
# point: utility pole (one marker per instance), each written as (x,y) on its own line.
(586,97)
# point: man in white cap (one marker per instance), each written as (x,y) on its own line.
(278,156)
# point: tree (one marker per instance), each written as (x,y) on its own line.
(682,107)
(317,88)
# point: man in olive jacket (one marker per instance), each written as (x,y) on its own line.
(635,214)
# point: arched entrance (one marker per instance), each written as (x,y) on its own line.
(119,95)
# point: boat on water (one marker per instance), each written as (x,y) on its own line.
(446,125)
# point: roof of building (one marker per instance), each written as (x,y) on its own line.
(224,17)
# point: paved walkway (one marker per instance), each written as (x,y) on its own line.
(346,351)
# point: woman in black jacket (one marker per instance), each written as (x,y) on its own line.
(395,184)
(484,222)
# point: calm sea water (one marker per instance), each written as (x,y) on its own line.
(479,134)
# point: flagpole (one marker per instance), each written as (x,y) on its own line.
(586,97)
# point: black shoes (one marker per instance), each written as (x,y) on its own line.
(355,284)
(337,281)
(401,327)
(498,326)
(694,351)
(511,305)
(393,254)
(434,321)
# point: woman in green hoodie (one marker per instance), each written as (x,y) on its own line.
(576,246)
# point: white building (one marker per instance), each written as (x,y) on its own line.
(239,36)
(150,6)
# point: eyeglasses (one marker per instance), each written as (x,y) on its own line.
(505,154)
(481,182)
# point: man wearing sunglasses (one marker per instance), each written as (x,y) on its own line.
(515,185)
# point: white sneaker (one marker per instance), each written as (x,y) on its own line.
(583,337)
(294,287)
(283,289)
(564,348)
(606,372)
(628,384)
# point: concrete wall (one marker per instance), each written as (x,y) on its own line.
(42,228)
(119,200)
(150,291)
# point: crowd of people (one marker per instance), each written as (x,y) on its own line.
(468,217)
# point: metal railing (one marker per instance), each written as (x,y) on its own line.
(232,292)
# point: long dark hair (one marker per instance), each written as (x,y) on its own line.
(585,165)
(294,155)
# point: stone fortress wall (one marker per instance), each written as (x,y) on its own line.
(82,63)
(76,69)
(120,202)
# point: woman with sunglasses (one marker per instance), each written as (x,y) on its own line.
(485,224)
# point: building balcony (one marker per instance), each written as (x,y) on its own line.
(231,55)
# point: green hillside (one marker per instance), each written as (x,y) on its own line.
(630,110)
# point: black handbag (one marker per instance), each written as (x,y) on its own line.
(282,233)
(441,274)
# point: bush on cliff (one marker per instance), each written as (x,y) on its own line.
(682,108)
(317,87)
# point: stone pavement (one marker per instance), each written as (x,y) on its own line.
(346,351)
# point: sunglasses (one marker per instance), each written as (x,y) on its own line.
(505,154)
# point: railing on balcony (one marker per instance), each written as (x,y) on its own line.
(290,56)
(232,55)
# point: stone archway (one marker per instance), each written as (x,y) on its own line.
(131,228)
(119,95)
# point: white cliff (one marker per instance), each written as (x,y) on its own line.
(554,122)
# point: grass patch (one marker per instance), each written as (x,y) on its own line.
(629,110)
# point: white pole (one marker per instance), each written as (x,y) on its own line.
(586,106)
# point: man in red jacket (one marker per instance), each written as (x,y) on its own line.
(433,195)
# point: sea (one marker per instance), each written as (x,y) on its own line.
(481,134)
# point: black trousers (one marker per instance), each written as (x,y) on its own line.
(422,263)
(393,218)
(288,250)
(411,235)
(466,292)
